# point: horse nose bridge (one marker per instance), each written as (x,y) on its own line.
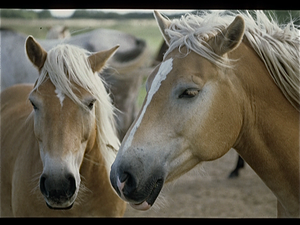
(56,164)
(133,160)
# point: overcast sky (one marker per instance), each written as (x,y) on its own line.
(69,12)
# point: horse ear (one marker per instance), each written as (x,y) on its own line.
(163,24)
(98,60)
(36,54)
(230,38)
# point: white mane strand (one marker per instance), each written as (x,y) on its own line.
(67,64)
(277,45)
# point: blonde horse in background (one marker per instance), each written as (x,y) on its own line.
(58,32)
(228,80)
(58,138)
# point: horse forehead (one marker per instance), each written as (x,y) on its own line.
(50,91)
(179,68)
(160,73)
(164,69)
(187,60)
(51,96)
(190,64)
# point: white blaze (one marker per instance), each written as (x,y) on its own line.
(60,95)
(164,70)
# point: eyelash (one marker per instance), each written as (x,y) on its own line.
(189,93)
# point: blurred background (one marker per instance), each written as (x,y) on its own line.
(139,23)
(37,23)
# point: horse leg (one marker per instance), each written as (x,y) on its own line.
(240,164)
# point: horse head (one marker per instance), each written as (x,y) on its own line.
(186,118)
(65,102)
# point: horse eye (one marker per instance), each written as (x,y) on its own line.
(33,105)
(91,104)
(189,93)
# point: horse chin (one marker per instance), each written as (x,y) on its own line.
(142,206)
(60,207)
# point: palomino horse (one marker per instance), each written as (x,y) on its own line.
(227,81)
(58,137)
(58,32)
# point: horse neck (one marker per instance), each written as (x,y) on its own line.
(269,137)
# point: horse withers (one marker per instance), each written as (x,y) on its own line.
(227,81)
(58,138)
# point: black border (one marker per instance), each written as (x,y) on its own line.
(151,4)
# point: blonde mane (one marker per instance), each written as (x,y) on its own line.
(276,45)
(67,64)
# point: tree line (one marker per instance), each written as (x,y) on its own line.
(25,14)
(283,16)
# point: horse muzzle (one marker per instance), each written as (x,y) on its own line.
(139,190)
(58,193)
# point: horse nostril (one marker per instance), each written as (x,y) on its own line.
(123,180)
(42,186)
(127,184)
(72,186)
(124,176)
(120,186)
